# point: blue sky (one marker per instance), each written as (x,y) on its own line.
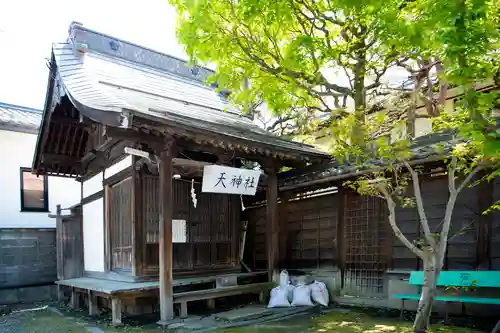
(28,29)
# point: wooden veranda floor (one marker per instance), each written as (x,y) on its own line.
(116,287)
(112,287)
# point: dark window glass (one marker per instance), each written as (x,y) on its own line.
(34,195)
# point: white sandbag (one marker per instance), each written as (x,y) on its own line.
(279,298)
(284,279)
(302,296)
(319,293)
(290,289)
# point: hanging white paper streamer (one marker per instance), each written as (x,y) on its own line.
(242,205)
(193,194)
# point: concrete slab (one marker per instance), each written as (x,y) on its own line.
(206,322)
(245,313)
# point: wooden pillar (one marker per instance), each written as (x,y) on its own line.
(75,299)
(165,246)
(116,311)
(93,307)
(138,239)
(340,244)
(59,240)
(107,229)
(272,223)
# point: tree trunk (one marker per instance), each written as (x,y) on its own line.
(359,91)
(421,324)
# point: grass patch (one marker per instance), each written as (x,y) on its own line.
(48,322)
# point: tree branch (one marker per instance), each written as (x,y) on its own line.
(278,122)
(443,85)
(391,205)
(454,192)
(424,222)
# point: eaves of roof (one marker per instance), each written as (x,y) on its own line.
(105,86)
(19,118)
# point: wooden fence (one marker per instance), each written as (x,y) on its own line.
(352,233)
(69,237)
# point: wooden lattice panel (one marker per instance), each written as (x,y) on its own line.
(121,224)
(365,225)
(151,210)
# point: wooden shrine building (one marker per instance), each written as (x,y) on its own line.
(136,230)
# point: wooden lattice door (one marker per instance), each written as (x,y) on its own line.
(120,224)
(365,238)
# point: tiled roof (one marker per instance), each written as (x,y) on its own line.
(19,118)
(436,145)
(113,76)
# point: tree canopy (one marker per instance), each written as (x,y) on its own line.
(371,67)
(304,59)
(308,60)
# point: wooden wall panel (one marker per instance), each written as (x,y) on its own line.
(462,249)
(309,227)
(211,238)
(495,231)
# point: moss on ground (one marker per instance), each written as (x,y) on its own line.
(344,322)
(48,322)
(339,322)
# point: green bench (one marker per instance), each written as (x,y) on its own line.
(471,279)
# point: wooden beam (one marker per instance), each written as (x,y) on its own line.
(96,161)
(194,147)
(165,243)
(272,225)
(198,156)
(73,122)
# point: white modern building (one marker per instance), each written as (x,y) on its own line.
(25,199)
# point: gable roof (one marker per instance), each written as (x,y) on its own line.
(19,118)
(105,77)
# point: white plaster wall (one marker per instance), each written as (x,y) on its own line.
(92,185)
(117,167)
(16,151)
(93,236)
(423,126)
(93,226)
(93,218)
